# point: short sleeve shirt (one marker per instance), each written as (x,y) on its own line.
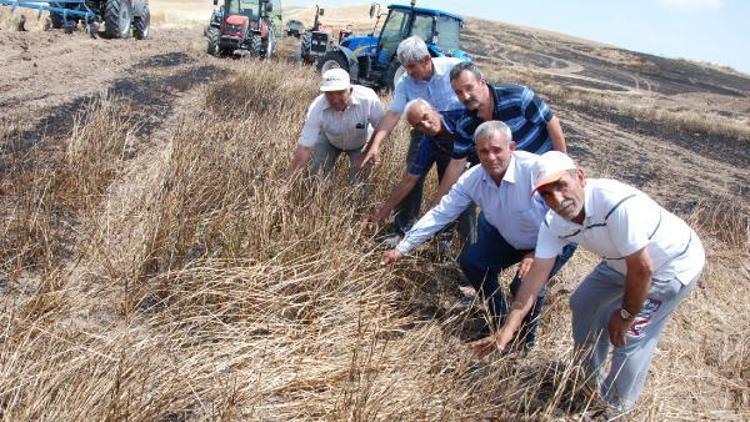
(522,110)
(621,220)
(437,90)
(347,130)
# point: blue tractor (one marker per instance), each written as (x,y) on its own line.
(371,60)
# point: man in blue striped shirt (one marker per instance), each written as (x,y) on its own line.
(535,129)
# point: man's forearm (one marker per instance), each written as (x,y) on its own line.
(401,191)
(637,284)
(554,129)
(531,285)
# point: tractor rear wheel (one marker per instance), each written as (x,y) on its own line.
(333,60)
(213,42)
(117,18)
(142,24)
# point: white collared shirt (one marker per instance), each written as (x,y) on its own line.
(347,130)
(509,207)
(621,220)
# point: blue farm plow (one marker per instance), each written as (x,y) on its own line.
(118,17)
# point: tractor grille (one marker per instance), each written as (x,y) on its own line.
(319,42)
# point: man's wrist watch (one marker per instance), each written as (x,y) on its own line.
(626,315)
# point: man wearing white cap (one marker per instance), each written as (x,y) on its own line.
(341,119)
(651,261)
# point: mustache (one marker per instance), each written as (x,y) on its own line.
(566,204)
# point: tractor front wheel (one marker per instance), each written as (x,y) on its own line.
(256,46)
(117,18)
(332,60)
(213,36)
(142,24)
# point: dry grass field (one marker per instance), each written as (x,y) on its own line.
(156,264)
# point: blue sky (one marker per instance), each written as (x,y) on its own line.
(716,31)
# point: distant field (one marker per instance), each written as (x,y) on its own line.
(180,12)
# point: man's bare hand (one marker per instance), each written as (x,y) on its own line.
(380,215)
(372,158)
(618,328)
(485,346)
(525,266)
(391,256)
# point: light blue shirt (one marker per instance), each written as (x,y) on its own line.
(437,90)
(509,207)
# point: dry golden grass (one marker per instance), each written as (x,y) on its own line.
(196,281)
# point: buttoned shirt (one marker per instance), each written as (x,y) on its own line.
(431,147)
(347,130)
(522,110)
(620,220)
(437,90)
(509,207)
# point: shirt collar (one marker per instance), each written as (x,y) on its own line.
(509,176)
(587,201)
(510,173)
(447,126)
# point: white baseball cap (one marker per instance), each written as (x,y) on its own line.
(550,167)
(335,80)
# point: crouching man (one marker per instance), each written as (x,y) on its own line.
(651,261)
(439,145)
(508,224)
(341,119)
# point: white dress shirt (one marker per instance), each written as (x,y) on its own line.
(509,207)
(621,220)
(346,130)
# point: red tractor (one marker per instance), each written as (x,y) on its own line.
(244,27)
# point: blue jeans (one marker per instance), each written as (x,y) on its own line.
(481,263)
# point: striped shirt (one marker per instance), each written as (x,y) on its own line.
(431,147)
(522,110)
(437,90)
(621,220)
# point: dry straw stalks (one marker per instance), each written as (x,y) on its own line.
(196,281)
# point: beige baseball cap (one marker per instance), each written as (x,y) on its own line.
(335,80)
(550,167)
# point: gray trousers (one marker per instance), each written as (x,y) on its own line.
(592,304)
(324,159)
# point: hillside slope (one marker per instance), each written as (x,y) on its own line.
(158,264)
